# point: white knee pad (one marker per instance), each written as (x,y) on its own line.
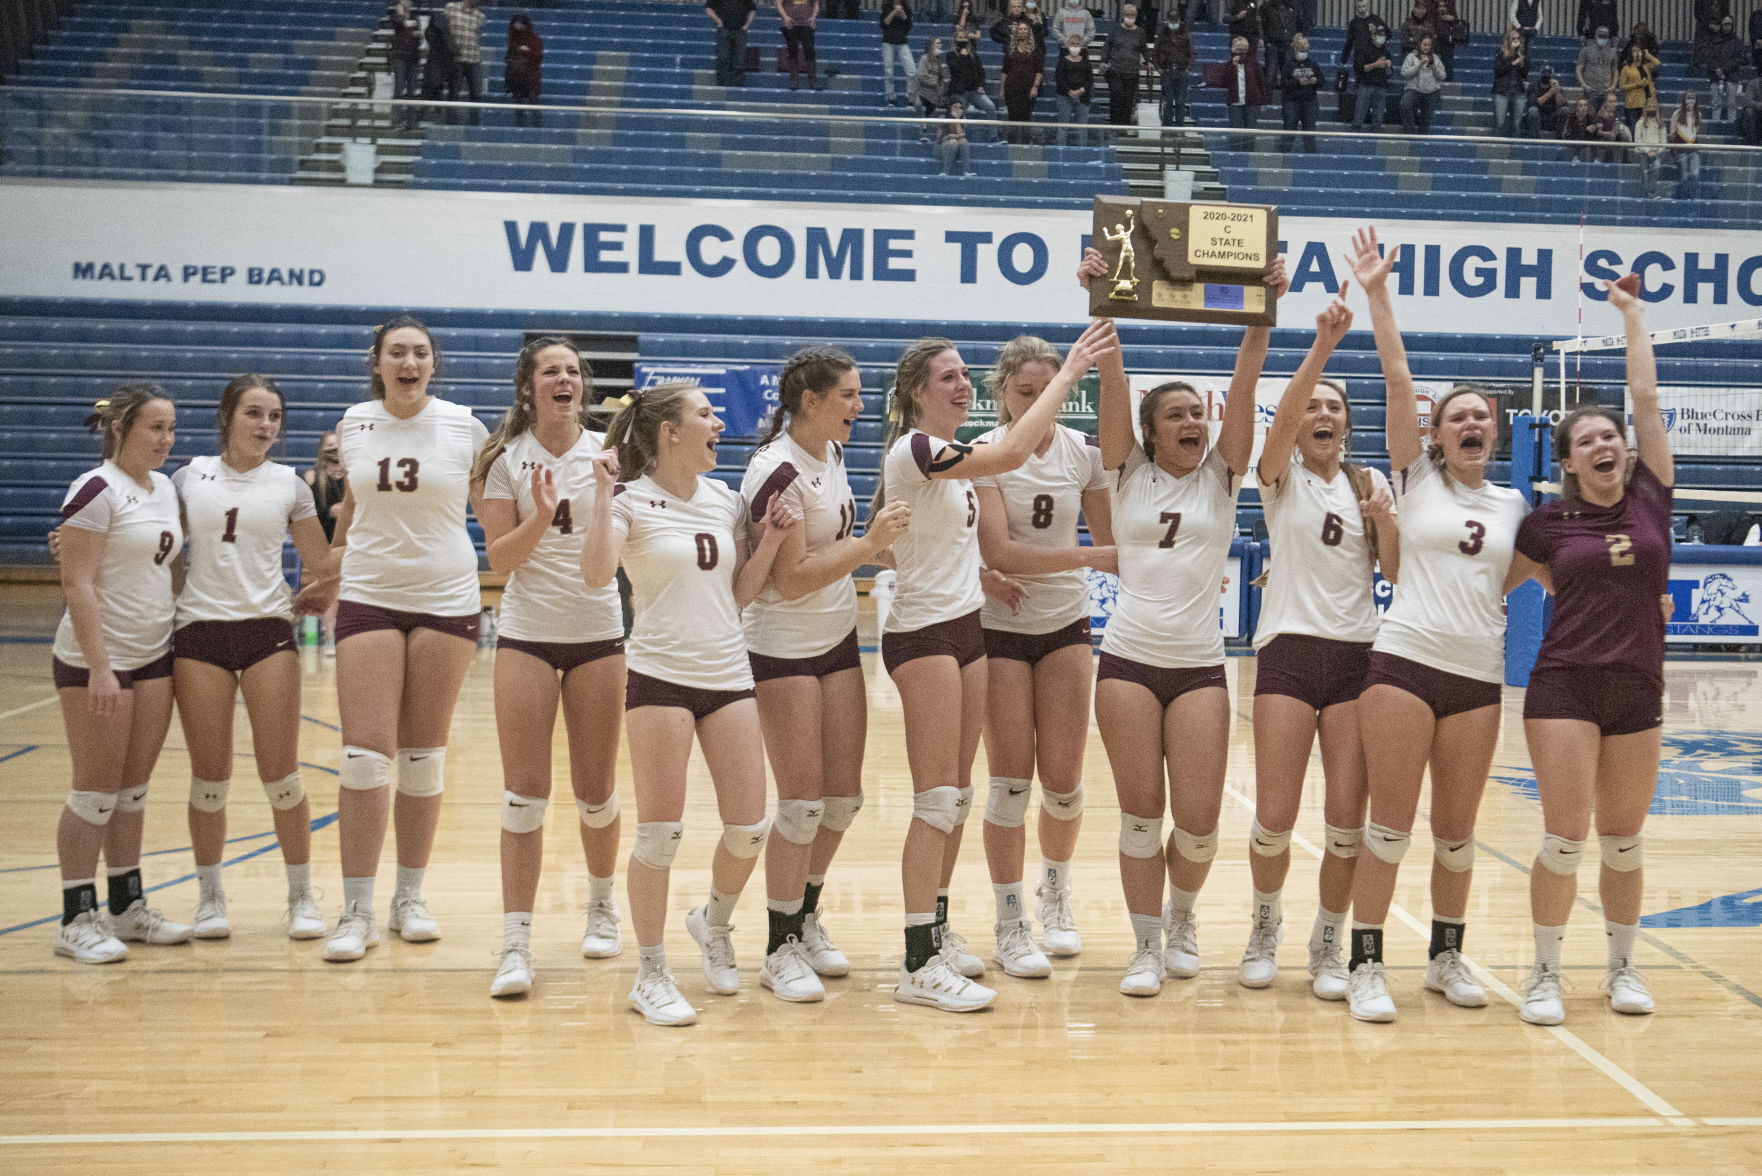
(523,814)
(94,808)
(363,771)
(963,806)
(208,796)
(285,793)
(1140,837)
(1621,854)
(939,808)
(1344,843)
(1062,806)
(600,817)
(1267,844)
(745,841)
(1006,804)
(132,800)
(799,820)
(1559,855)
(1456,858)
(422,770)
(1386,844)
(1196,847)
(840,811)
(657,842)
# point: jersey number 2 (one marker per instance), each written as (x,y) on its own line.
(1621,550)
(408,465)
(706,551)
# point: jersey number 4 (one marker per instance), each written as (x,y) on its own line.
(408,466)
(564,519)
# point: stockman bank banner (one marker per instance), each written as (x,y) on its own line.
(384,248)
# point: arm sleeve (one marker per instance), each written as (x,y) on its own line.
(499,482)
(622,512)
(87,506)
(1533,540)
(1098,478)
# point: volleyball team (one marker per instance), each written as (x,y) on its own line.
(745,642)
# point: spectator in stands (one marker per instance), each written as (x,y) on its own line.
(1594,15)
(930,83)
(1367,39)
(1245,22)
(1074,82)
(1244,85)
(1612,129)
(1123,57)
(1649,140)
(1023,64)
(1510,84)
(1756,39)
(1280,24)
(951,143)
(1709,16)
(1302,94)
(1642,36)
(440,74)
(1073,20)
(1172,57)
(967,25)
(1725,53)
(523,67)
(1685,130)
(406,60)
(1452,31)
(1423,71)
(1526,17)
(465,23)
(1547,103)
(733,18)
(1596,66)
(1003,31)
(1418,24)
(896,29)
(1636,82)
(1203,11)
(1750,110)
(966,79)
(1579,130)
(326,476)
(799,18)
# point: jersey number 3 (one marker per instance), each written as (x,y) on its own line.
(409,467)
(1477,534)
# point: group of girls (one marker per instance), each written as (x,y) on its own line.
(745,641)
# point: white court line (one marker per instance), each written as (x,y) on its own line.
(19,710)
(756,1130)
(1733,1122)
(1565,1036)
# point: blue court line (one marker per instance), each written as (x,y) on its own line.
(27,641)
(321,723)
(320,823)
(29,747)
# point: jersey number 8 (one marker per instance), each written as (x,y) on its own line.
(1042,516)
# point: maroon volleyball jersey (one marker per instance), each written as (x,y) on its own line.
(1610,565)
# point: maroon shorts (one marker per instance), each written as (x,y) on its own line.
(1167,685)
(234,646)
(1315,670)
(642,690)
(1447,694)
(353,617)
(73,677)
(963,639)
(1031,647)
(846,655)
(563,656)
(1618,700)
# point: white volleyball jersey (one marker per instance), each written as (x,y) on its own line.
(1319,583)
(545,599)
(1456,546)
(1174,538)
(680,555)
(938,556)
(818,490)
(1042,500)
(237,523)
(142,538)
(408,549)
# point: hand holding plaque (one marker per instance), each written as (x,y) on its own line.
(1202,263)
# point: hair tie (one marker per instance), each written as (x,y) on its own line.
(95,421)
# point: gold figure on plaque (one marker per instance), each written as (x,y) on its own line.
(1125,274)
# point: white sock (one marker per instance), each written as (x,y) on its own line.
(1621,943)
(208,881)
(409,881)
(1326,931)
(651,959)
(923,919)
(1268,907)
(598,889)
(517,929)
(358,892)
(1009,901)
(299,879)
(816,879)
(1056,875)
(720,910)
(1147,931)
(792,907)
(1548,941)
(1182,901)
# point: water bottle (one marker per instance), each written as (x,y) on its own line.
(882,592)
(486,630)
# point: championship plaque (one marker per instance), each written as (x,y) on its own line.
(1195,263)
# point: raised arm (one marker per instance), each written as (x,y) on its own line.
(1114,430)
(602,545)
(1402,421)
(1650,435)
(796,573)
(1236,437)
(1331,326)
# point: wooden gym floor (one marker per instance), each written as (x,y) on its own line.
(252,1054)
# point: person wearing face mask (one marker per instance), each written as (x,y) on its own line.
(1244,85)
(1612,128)
(1018,16)
(1424,72)
(1643,37)
(1074,83)
(1302,90)
(1123,58)
(1595,14)
(1649,140)
(1172,57)
(1545,104)
(1636,81)
(1579,129)
(966,83)
(1366,48)
(1597,65)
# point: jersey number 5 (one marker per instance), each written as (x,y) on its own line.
(1621,550)
(1477,534)
(1173,519)
(408,465)
(706,551)
(972,508)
